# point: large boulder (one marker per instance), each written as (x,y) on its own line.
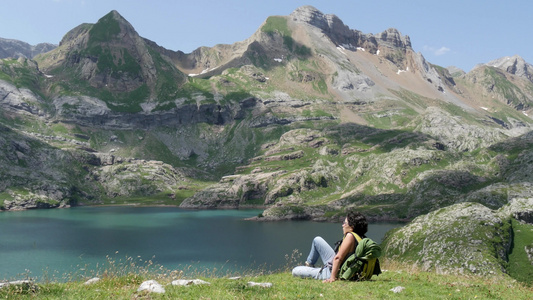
(465,238)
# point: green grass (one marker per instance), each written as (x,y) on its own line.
(386,120)
(276,24)
(320,86)
(105,29)
(22,75)
(123,284)
(511,92)
(518,261)
(279,25)
(411,172)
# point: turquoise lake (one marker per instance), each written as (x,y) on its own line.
(64,244)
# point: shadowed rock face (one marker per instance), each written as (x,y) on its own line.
(92,112)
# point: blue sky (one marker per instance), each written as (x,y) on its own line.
(461,33)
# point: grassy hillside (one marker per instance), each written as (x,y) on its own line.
(412,283)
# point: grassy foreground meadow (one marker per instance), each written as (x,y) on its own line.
(408,283)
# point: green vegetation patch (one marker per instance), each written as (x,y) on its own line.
(315,113)
(519,266)
(276,24)
(320,86)
(389,119)
(279,25)
(237,96)
(115,62)
(169,78)
(511,92)
(21,75)
(105,29)
(3,197)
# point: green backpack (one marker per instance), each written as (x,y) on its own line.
(363,263)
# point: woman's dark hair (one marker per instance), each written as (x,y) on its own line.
(358,222)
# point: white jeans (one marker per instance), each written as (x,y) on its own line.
(319,249)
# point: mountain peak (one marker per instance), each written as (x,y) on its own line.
(394,38)
(112,24)
(312,16)
(306,13)
(341,34)
(515,65)
(114,15)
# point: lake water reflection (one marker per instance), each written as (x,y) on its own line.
(50,243)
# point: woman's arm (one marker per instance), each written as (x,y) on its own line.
(347,245)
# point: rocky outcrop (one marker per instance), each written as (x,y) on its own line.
(33,201)
(21,101)
(466,238)
(520,209)
(268,186)
(136,177)
(454,133)
(233,191)
(92,112)
(340,34)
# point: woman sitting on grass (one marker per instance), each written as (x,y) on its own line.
(333,260)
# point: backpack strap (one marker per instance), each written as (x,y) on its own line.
(356,236)
(357,240)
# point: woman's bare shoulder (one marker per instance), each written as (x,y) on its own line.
(349,237)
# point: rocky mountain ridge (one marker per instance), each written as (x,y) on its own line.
(307,118)
(15,48)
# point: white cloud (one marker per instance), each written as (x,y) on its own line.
(437,52)
(442,51)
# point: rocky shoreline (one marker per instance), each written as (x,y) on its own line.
(33,204)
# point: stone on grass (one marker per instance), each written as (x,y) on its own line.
(26,285)
(151,286)
(397,289)
(92,281)
(189,282)
(260,284)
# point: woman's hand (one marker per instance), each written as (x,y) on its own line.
(329,280)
